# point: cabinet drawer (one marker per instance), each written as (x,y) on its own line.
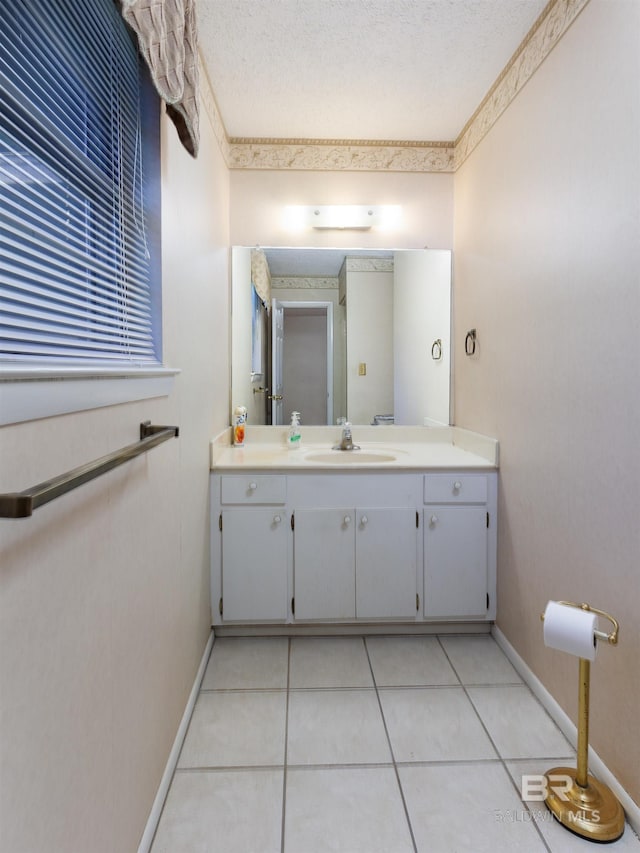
(251,489)
(455,488)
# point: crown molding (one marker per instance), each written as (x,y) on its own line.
(364,155)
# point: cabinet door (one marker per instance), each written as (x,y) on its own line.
(386,558)
(254,565)
(455,562)
(323,561)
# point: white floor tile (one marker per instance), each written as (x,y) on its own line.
(236,730)
(345,811)
(230,811)
(434,724)
(519,726)
(470,808)
(227,795)
(409,662)
(247,663)
(479,660)
(336,727)
(559,839)
(329,663)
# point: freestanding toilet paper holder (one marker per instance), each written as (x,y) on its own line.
(582,804)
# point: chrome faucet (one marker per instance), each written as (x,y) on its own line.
(346,443)
(347,439)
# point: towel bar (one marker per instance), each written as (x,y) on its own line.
(22,504)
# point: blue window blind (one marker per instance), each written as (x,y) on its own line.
(79,188)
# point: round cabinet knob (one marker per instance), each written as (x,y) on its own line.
(364,520)
(253,487)
(457,486)
(277,519)
(347,519)
(433,520)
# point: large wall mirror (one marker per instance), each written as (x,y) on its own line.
(359,334)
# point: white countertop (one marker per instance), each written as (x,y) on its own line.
(413,448)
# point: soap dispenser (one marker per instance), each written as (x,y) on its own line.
(294,438)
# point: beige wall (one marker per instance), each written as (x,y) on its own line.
(104,604)
(547,268)
(369,342)
(258,200)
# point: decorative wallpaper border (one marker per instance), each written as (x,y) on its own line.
(208,101)
(547,31)
(401,156)
(339,155)
(369,264)
(303,283)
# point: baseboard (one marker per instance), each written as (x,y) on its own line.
(568,728)
(348,629)
(167,776)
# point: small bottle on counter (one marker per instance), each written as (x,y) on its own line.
(239,423)
(294,437)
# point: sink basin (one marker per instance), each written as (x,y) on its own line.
(350,457)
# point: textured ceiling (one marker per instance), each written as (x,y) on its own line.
(413,70)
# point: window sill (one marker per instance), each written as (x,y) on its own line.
(28,394)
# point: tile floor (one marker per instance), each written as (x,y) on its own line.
(364,745)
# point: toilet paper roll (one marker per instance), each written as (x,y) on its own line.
(571,630)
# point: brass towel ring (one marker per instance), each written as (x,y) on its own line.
(470,342)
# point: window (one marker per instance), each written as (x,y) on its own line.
(79,190)
(257,337)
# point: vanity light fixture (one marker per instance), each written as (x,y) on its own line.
(358,217)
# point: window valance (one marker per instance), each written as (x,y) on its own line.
(168,39)
(261,276)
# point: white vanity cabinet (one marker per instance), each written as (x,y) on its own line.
(251,549)
(386,563)
(459,536)
(324,549)
(355,546)
(304,548)
(355,563)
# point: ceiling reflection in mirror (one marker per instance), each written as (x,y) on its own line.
(359,334)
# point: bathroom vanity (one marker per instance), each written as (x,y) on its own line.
(400,532)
